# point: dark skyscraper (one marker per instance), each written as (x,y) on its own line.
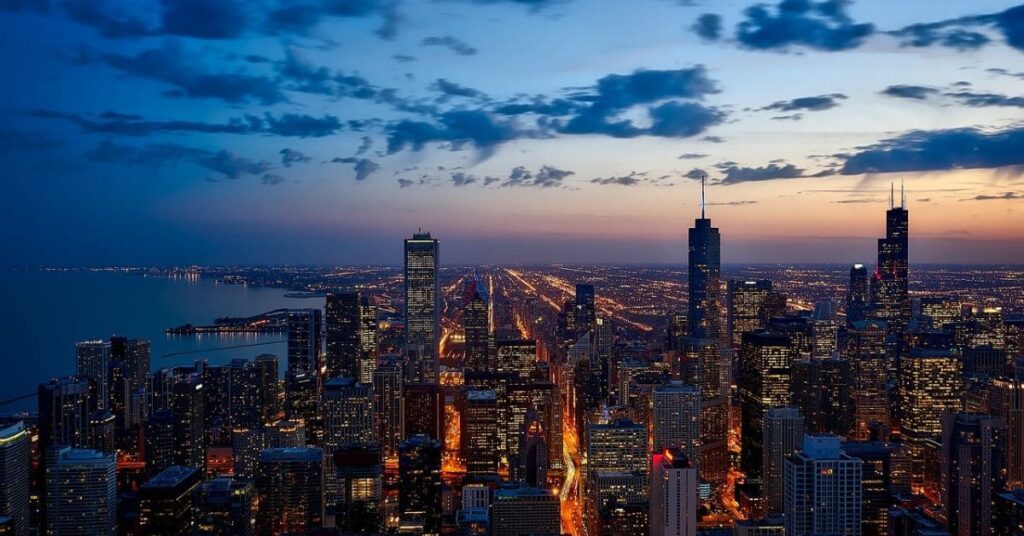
(747,308)
(973,470)
(63,413)
(419,470)
(705,250)
(857,295)
(892,301)
(15,459)
(422,308)
(341,330)
(291,490)
(476,324)
(92,361)
(304,331)
(167,502)
(585,312)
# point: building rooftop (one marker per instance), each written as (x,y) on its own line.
(292,454)
(170,477)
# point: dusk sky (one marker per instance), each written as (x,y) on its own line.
(325,131)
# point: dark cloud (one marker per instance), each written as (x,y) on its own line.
(713,139)
(405,183)
(451,89)
(301,18)
(271,179)
(962,33)
(222,19)
(708,26)
(546,177)
(730,203)
(541,106)
(458,127)
(115,123)
(858,201)
(364,167)
(691,156)
(169,65)
(1005,196)
(150,156)
(41,6)
(364,145)
(452,43)
(978,100)
(100,15)
(736,174)
(534,5)
(233,166)
(302,126)
(676,119)
(291,156)
(463,179)
(817,103)
(632,179)
(403,58)
(940,150)
(1005,72)
(801,23)
(695,174)
(910,91)
(18,141)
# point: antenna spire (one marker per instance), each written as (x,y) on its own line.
(892,195)
(903,196)
(702,203)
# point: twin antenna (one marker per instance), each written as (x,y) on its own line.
(702,203)
(892,196)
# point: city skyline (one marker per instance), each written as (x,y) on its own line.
(518,131)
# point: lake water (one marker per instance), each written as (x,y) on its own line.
(42,315)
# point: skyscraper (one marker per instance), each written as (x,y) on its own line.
(532,456)
(188,405)
(63,413)
(304,333)
(422,410)
(419,473)
(479,433)
(477,325)
(765,364)
(521,511)
(973,466)
(857,295)
(341,331)
(704,275)
(676,419)
(823,490)
(585,311)
(167,502)
(892,300)
(348,415)
(1006,400)
(929,389)
(226,507)
(518,357)
(15,458)
(387,403)
(81,494)
(92,361)
(422,308)
(130,362)
(673,495)
(291,490)
(783,436)
(869,356)
(268,387)
(367,339)
(747,309)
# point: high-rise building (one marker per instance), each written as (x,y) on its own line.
(1008,510)
(869,356)
(476,321)
(387,403)
(518,357)
(92,361)
(419,473)
(765,367)
(708,369)
(747,309)
(167,502)
(367,339)
(705,269)
(160,442)
(542,398)
(226,507)
(891,297)
(422,410)
(519,511)
(15,458)
(348,414)
(823,489)
(130,362)
(63,413)
(825,329)
(81,493)
(886,473)
(821,390)
(188,405)
(304,333)
(673,495)
(422,309)
(783,436)
(619,446)
(858,298)
(973,463)
(291,490)
(585,311)
(929,389)
(341,331)
(359,482)
(243,394)
(479,431)
(676,419)
(1006,400)
(532,456)
(268,387)
(302,397)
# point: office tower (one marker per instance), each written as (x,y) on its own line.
(479,432)
(616,503)
(821,389)
(929,389)
(673,501)
(63,413)
(771,526)
(81,493)
(1008,510)
(92,361)
(517,357)
(676,422)
(226,507)
(130,362)
(419,473)
(341,331)
(291,484)
(286,434)
(617,446)
(422,308)
(986,360)
(704,261)
(783,435)
(520,511)
(941,310)
(189,432)
(677,332)
(476,320)
(348,414)
(825,330)
(359,482)
(973,465)
(984,326)
(216,396)
(302,396)
(246,444)
(167,502)
(914,522)
(422,410)
(544,399)
(823,489)
(367,339)
(102,433)
(387,403)
(857,295)
(243,395)
(304,332)
(868,354)
(15,458)
(585,310)
(160,441)
(532,456)
(892,301)
(268,387)
(708,369)
(747,309)
(765,361)
(1006,400)
(886,472)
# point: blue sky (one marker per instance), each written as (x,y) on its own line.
(175,131)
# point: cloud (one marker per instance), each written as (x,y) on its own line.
(223,19)
(405,183)
(1005,72)
(301,18)
(452,43)
(403,58)
(708,26)
(115,123)
(458,127)
(730,203)
(1005,196)
(364,167)
(18,141)
(817,103)
(465,179)
(291,156)
(364,145)
(858,201)
(962,33)
(691,156)
(735,174)
(151,156)
(546,177)
(695,174)
(632,179)
(821,25)
(41,6)
(910,92)
(233,166)
(451,89)
(713,139)
(98,14)
(302,126)
(168,65)
(940,150)
(978,100)
(676,119)
(271,179)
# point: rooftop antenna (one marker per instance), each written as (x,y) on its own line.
(892,194)
(903,196)
(702,203)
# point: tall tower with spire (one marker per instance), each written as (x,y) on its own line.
(705,273)
(891,296)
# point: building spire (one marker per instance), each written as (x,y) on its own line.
(702,203)
(903,196)
(892,195)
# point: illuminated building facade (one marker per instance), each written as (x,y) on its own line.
(422,309)
(226,507)
(1006,400)
(479,433)
(783,435)
(92,361)
(63,413)
(765,374)
(858,298)
(519,511)
(822,489)
(517,357)
(868,354)
(747,308)
(342,323)
(891,295)
(930,388)
(167,502)
(419,470)
(973,463)
(15,458)
(348,414)
(81,493)
(291,491)
(673,495)
(387,403)
(305,328)
(676,419)
(477,325)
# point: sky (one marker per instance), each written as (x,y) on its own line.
(516,131)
